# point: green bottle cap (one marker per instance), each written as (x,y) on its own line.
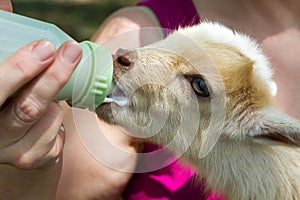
(91,81)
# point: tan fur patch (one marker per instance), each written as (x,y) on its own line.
(237,72)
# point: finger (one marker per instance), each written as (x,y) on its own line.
(6,5)
(42,144)
(41,91)
(33,101)
(56,76)
(23,66)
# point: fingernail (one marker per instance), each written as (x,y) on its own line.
(43,50)
(71,52)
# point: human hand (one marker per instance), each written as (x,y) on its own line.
(30,135)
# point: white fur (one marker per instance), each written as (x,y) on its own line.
(217,33)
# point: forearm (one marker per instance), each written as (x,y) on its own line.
(129,27)
(29,184)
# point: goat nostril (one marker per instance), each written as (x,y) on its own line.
(124,61)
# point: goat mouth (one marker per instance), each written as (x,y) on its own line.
(117,94)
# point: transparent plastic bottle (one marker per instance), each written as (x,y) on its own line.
(89,83)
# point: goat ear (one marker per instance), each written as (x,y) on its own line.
(274,125)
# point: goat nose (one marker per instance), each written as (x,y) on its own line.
(123,59)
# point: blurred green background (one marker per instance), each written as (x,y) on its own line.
(79,18)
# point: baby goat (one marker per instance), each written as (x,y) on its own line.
(206,92)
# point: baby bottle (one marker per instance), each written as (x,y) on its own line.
(89,83)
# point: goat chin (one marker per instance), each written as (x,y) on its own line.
(207,92)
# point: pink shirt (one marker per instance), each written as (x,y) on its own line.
(175,181)
(173,13)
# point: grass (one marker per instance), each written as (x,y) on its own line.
(79,20)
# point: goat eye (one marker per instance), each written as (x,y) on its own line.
(199,86)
